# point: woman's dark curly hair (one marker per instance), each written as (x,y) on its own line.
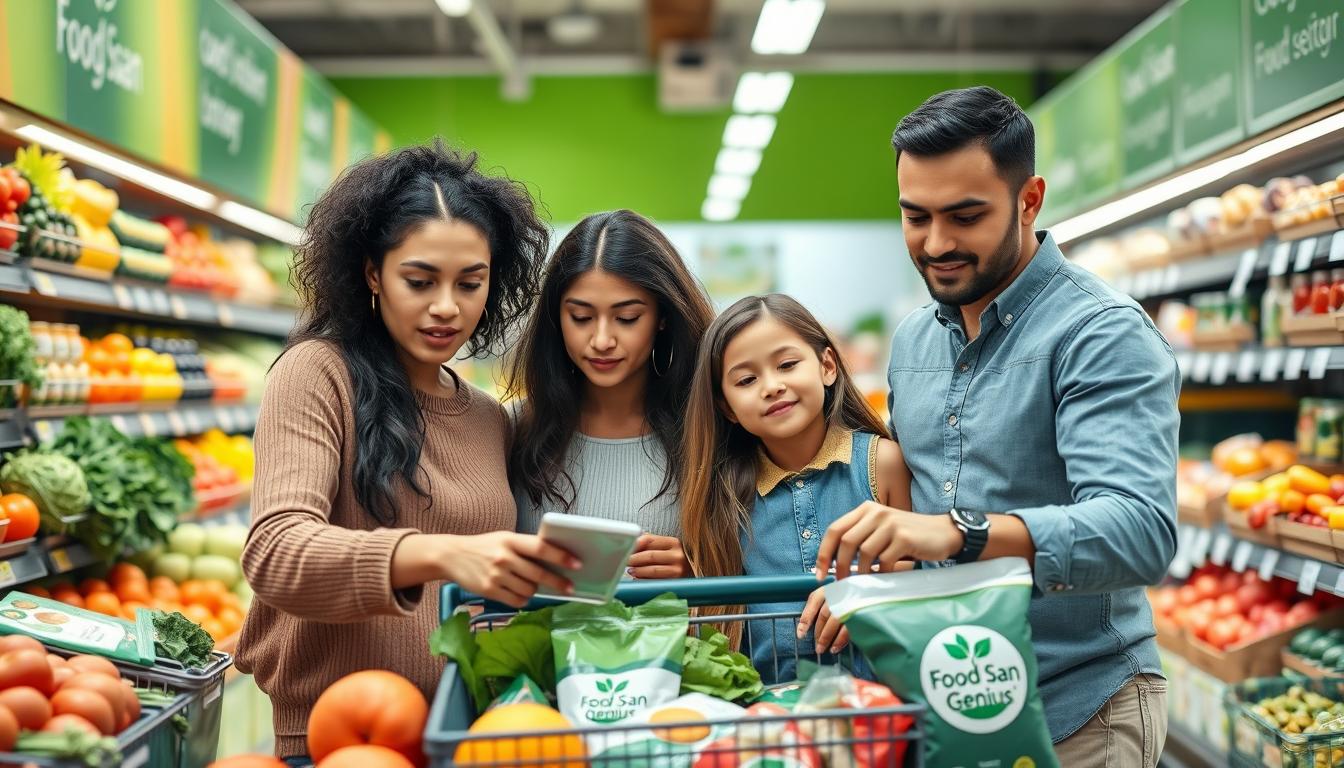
(368,211)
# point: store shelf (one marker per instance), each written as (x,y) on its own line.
(1259,364)
(28,564)
(1187,749)
(48,283)
(182,421)
(1220,546)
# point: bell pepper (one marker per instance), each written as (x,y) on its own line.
(1307,480)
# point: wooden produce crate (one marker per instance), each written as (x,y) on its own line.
(1202,516)
(1250,234)
(1307,540)
(1258,658)
(1313,330)
(1240,527)
(1300,665)
(1317,218)
(1228,339)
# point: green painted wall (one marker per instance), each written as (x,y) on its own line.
(586,144)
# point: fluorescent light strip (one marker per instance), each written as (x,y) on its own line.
(748,131)
(1104,216)
(193,196)
(786,26)
(762,92)
(717,209)
(454,8)
(740,162)
(729,187)
(261,222)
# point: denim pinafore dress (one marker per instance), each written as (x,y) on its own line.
(791,514)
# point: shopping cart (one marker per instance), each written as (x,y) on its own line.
(869,735)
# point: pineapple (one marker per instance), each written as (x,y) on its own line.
(43,170)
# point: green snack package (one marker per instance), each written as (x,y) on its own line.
(786,696)
(521,691)
(75,629)
(612,661)
(958,640)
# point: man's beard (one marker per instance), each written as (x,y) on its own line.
(997,269)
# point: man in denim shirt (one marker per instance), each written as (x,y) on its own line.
(1037,411)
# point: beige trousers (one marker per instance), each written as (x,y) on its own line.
(1128,732)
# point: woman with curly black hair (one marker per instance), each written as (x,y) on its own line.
(380,472)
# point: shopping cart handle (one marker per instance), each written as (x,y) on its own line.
(715,590)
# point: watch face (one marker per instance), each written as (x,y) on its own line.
(971,519)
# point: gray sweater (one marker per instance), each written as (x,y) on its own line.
(615,479)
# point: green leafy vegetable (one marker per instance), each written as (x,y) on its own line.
(710,666)
(72,743)
(139,487)
(489,661)
(52,480)
(181,639)
(16,353)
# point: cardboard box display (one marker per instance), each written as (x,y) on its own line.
(1240,527)
(1258,658)
(1307,540)
(1300,665)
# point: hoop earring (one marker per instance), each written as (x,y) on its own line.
(653,361)
(373,303)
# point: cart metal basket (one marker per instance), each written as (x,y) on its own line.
(870,738)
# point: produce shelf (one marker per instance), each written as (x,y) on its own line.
(182,421)
(1259,364)
(49,283)
(1221,546)
(64,555)
(28,564)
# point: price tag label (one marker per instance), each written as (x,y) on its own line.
(1171,278)
(1245,268)
(45,432)
(123,296)
(1242,555)
(140,297)
(7,576)
(1292,363)
(1320,363)
(1199,548)
(150,429)
(1271,365)
(44,284)
(1337,247)
(194,423)
(1222,366)
(1246,366)
(119,423)
(61,560)
(176,424)
(1306,251)
(1278,262)
(225,418)
(1200,370)
(226,315)
(179,307)
(1339,583)
(1268,563)
(1222,545)
(159,300)
(1311,571)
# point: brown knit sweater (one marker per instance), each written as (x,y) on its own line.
(321,566)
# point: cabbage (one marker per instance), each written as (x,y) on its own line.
(55,483)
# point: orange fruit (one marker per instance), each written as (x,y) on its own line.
(550,751)
(125,572)
(164,588)
(191,591)
(197,613)
(117,342)
(136,591)
(128,609)
(105,603)
(1244,461)
(69,597)
(215,629)
(230,618)
(99,360)
(215,592)
(230,600)
(38,591)
(89,586)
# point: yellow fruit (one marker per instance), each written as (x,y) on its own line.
(1276,484)
(558,751)
(142,360)
(1308,480)
(1245,494)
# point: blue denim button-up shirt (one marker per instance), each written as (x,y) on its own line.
(1062,412)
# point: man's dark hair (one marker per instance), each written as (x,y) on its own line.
(952,120)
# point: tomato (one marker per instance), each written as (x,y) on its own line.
(62,723)
(9,730)
(20,190)
(89,705)
(122,573)
(23,516)
(19,642)
(103,686)
(1302,613)
(28,705)
(1250,595)
(1206,585)
(130,702)
(89,586)
(1223,632)
(60,674)
(370,707)
(84,663)
(1164,602)
(248,761)
(1227,605)
(4,189)
(1228,583)
(365,756)
(25,667)
(1200,622)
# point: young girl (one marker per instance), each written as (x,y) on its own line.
(605,365)
(380,472)
(780,444)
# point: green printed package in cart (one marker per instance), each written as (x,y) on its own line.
(75,629)
(612,661)
(521,691)
(957,639)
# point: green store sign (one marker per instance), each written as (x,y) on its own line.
(196,86)
(1196,78)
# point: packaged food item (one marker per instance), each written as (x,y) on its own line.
(612,661)
(958,639)
(786,696)
(677,731)
(521,690)
(765,742)
(76,629)
(861,741)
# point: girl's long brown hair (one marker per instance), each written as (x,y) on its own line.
(718,485)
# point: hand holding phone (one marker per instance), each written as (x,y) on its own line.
(603,546)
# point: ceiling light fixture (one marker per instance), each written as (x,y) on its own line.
(749,131)
(729,187)
(153,180)
(260,222)
(1103,216)
(717,209)
(762,92)
(740,162)
(786,26)
(455,8)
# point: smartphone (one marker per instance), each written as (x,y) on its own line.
(603,546)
